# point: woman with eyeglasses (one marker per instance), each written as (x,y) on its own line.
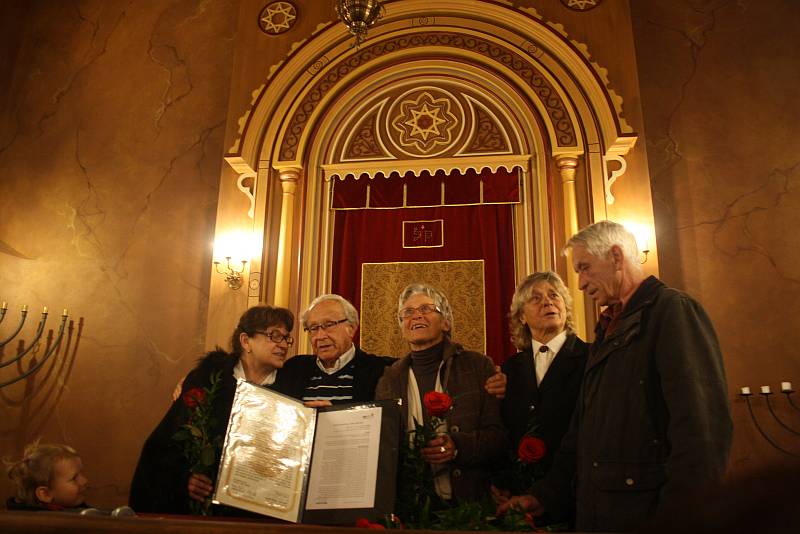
(473,434)
(163,482)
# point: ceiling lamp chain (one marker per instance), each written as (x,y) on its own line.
(358,16)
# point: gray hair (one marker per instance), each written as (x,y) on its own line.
(598,238)
(350,312)
(520,332)
(439,300)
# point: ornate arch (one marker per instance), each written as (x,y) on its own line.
(539,90)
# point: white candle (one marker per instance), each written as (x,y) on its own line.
(25,308)
(65,313)
(44,311)
(765,390)
(745,390)
(786,386)
(4,306)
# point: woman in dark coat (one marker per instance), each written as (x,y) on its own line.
(163,482)
(544,378)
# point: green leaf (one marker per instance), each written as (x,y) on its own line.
(181,435)
(196,432)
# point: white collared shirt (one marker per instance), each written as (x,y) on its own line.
(542,360)
(341,361)
(238,372)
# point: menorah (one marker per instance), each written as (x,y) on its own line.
(22,351)
(766,392)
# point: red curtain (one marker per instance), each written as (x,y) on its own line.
(471,233)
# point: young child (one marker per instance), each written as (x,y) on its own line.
(49,477)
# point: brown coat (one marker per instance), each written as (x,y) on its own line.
(474,423)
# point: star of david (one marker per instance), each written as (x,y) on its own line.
(277,17)
(425,121)
(581,5)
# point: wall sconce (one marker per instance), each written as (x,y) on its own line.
(232,277)
(642,234)
(232,249)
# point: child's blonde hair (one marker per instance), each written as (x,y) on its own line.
(36,468)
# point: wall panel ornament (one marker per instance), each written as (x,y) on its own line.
(581,5)
(528,71)
(437,116)
(277,17)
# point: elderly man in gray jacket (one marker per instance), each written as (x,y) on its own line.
(653,419)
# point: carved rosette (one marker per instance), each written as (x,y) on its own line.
(277,17)
(425,122)
(434,119)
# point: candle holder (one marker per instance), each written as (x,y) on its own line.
(22,351)
(766,392)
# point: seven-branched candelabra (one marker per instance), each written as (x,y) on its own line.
(23,350)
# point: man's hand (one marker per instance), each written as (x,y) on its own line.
(200,487)
(317,404)
(496,384)
(524,503)
(499,495)
(439,450)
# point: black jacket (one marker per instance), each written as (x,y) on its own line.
(160,481)
(294,375)
(552,402)
(652,421)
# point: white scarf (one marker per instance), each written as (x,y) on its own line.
(441,474)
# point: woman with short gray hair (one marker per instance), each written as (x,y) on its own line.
(473,435)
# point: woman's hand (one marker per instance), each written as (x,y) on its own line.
(440,450)
(200,487)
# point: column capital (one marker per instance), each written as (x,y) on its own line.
(289,174)
(566,162)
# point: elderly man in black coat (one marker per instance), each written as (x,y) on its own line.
(653,420)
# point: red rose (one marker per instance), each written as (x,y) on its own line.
(437,404)
(194,397)
(531,449)
(530,521)
(363,522)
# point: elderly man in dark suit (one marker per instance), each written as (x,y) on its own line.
(545,376)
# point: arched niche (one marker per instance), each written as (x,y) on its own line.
(562,121)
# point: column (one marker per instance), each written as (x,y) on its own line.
(566,168)
(283,276)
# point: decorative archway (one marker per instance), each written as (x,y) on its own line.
(559,121)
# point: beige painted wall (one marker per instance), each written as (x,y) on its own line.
(110,154)
(111,134)
(719,90)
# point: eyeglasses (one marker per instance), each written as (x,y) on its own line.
(277,337)
(327,325)
(425,309)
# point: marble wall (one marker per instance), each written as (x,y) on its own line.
(112,120)
(719,86)
(111,137)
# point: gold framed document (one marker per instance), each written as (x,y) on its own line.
(325,466)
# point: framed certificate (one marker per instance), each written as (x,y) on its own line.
(325,466)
